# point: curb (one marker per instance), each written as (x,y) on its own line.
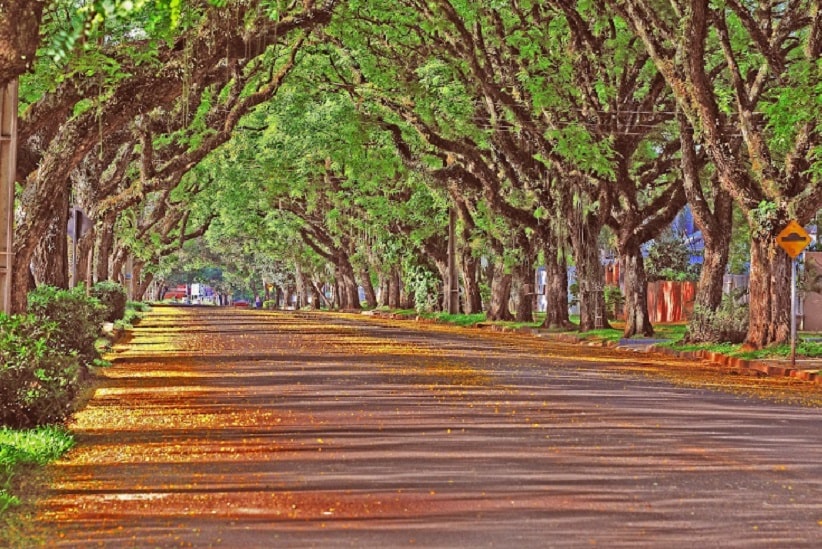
(756,367)
(751,367)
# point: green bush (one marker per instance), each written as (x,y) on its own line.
(78,318)
(270,304)
(614,301)
(38,380)
(138,306)
(728,324)
(113,297)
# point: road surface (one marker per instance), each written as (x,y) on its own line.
(232,428)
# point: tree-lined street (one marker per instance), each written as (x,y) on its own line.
(222,427)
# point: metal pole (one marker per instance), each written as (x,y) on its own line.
(793,312)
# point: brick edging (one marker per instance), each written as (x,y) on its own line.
(759,366)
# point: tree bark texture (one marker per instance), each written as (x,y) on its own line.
(19,37)
(368,287)
(769,302)
(471,298)
(556,290)
(590,274)
(51,264)
(636,293)
(395,289)
(500,294)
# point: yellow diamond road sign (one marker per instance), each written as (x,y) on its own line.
(793,239)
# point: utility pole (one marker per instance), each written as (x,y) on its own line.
(452,286)
(8,173)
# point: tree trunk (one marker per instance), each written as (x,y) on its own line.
(472,299)
(85,256)
(368,287)
(525,289)
(584,234)
(636,292)
(500,294)
(384,290)
(716,225)
(347,284)
(769,294)
(395,289)
(714,264)
(556,289)
(318,297)
(142,287)
(104,246)
(51,264)
(117,264)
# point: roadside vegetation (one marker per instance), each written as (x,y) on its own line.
(47,358)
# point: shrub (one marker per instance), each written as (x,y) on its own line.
(270,305)
(38,380)
(113,297)
(614,301)
(78,318)
(729,323)
(138,306)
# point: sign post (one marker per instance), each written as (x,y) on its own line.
(793,239)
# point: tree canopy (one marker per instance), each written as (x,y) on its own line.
(309,145)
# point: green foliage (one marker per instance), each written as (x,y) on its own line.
(424,285)
(669,259)
(614,301)
(38,379)
(77,316)
(764,220)
(36,446)
(460,319)
(728,324)
(113,297)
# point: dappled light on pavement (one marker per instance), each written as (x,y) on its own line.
(225,428)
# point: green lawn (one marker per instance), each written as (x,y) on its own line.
(20,448)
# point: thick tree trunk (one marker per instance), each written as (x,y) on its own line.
(318,297)
(368,287)
(51,264)
(637,320)
(525,289)
(556,290)
(769,294)
(716,225)
(395,289)
(85,257)
(104,247)
(500,294)
(590,277)
(384,285)
(714,264)
(471,299)
(19,37)
(347,284)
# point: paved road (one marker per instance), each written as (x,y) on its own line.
(225,428)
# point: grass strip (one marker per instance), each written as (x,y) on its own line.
(28,447)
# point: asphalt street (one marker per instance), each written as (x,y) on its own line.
(233,428)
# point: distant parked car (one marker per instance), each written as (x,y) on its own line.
(241,303)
